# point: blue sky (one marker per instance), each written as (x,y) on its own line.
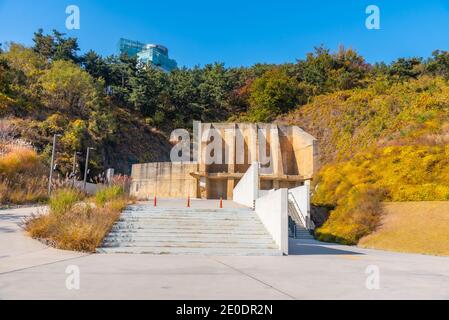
(239,32)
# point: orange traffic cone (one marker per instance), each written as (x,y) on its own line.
(221,202)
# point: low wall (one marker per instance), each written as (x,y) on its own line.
(90,187)
(302,197)
(164,180)
(247,190)
(272,210)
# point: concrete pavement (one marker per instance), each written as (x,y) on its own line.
(30,270)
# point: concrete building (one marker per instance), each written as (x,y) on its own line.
(153,54)
(263,168)
(287,157)
(130,47)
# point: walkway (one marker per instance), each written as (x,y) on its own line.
(30,270)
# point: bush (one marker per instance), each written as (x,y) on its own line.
(354,219)
(22,176)
(356,188)
(108,193)
(18,161)
(80,227)
(63,200)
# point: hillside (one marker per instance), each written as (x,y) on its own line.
(386,142)
(414,112)
(413,227)
(40,98)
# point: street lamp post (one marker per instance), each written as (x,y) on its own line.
(52,164)
(86,168)
(74,168)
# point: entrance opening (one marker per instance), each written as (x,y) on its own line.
(217,188)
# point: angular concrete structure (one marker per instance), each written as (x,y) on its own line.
(224,153)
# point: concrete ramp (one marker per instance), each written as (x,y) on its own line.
(144,228)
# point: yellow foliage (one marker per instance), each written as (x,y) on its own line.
(73,135)
(351,121)
(395,173)
(20,160)
(22,177)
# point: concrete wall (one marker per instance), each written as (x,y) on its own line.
(91,188)
(247,190)
(163,179)
(305,147)
(272,210)
(293,154)
(302,197)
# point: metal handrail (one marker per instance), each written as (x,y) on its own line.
(305,219)
(298,211)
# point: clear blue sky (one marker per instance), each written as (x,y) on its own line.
(239,32)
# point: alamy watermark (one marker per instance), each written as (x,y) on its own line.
(73,22)
(225,146)
(373,280)
(372,22)
(73,280)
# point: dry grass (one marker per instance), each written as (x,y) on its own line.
(22,177)
(412,227)
(78,227)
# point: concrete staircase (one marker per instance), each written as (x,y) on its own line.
(296,228)
(302,233)
(146,229)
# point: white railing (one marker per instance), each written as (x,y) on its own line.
(298,215)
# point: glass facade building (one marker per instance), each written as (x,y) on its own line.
(153,54)
(129,47)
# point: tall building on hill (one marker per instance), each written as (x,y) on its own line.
(154,54)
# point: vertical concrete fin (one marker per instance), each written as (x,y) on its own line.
(305,148)
(276,155)
(247,190)
(272,210)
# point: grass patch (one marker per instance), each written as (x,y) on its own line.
(63,200)
(74,225)
(412,227)
(109,193)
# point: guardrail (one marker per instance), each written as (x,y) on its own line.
(298,215)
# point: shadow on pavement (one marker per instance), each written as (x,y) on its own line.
(312,247)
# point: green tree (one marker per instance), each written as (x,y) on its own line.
(215,85)
(68,88)
(328,72)
(121,70)
(95,65)
(439,64)
(56,46)
(406,68)
(272,94)
(147,85)
(180,99)
(25,68)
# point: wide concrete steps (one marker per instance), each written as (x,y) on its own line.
(145,229)
(192,251)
